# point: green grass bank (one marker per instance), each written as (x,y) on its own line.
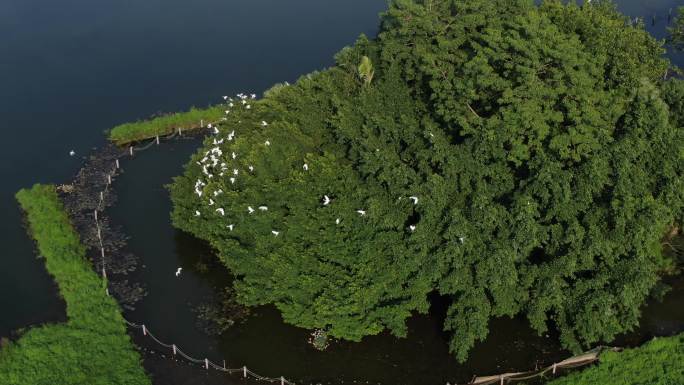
(164,125)
(658,362)
(92,347)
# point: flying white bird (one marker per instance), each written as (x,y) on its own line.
(326,200)
(412,228)
(250,209)
(220,211)
(230,227)
(305,167)
(267,142)
(414,199)
(337,221)
(361,212)
(263,208)
(275,232)
(197,213)
(178,271)
(263,123)
(72,153)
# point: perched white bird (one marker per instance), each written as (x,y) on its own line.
(216,130)
(232,180)
(197,213)
(220,211)
(211,202)
(235,171)
(231,135)
(305,167)
(263,208)
(461,239)
(233,155)
(243,101)
(361,212)
(275,232)
(209,125)
(251,168)
(231,227)
(250,209)
(326,200)
(218,192)
(267,142)
(414,199)
(230,104)
(253,96)
(263,123)
(178,271)
(72,153)
(225,97)
(227,112)
(337,221)
(248,106)
(412,228)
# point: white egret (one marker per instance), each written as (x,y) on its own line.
(197,213)
(220,211)
(337,221)
(251,168)
(178,271)
(263,208)
(275,232)
(232,180)
(72,153)
(461,239)
(230,227)
(216,130)
(233,155)
(250,209)
(235,171)
(211,202)
(267,142)
(414,199)
(263,123)
(361,212)
(225,97)
(248,106)
(305,167)
(326,200)
(412,228)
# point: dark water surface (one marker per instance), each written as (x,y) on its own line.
(71,69)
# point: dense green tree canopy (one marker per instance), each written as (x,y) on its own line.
(518,159)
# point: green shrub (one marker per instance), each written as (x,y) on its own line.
(659,362)
(92,347)
(163,125)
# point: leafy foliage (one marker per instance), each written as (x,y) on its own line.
(517,158)
(92,347)
(676,31)
(659,362)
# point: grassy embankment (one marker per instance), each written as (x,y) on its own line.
(658,362)
(164,125)
(92,347)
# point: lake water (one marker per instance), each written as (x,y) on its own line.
(71,69)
